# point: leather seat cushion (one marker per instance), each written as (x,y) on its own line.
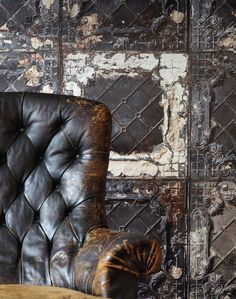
(15,291)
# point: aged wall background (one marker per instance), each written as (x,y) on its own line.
(166,69)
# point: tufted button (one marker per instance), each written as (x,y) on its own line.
(77,156)
(69,210)
(36,216)
(40,158)
(22,129)
(3,158)
(2,219)
(56,185)
(21,189)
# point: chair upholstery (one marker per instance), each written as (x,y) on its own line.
(54,153)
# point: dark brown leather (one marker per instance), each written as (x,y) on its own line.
(54,154)
(110,262)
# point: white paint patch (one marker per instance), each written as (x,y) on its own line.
(36,43)
(74,10)
(177,16)
(170,71)
(173,66)
(48,3)
(132,168)
(73,88)
(47,89)
(126,63)
(4,27)
(80,68)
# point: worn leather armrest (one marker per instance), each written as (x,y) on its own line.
(110,263)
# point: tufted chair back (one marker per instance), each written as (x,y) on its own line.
(54,155)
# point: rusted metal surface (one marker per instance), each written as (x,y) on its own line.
(140,25)
(166,69)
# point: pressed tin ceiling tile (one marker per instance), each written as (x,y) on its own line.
(213,111)
(29,25)
(148,98)
(213,25)
(125,25)
(29,71)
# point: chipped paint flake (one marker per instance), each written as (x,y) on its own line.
(48,3)
(125,62)
(74,10)
(173,66)
(36,43)
(132,168)
(33,76)
(177,16)
(228,41)
(80,68)
(47,89)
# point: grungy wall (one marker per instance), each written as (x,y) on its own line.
(166,70)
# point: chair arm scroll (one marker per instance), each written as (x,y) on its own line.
(110,263)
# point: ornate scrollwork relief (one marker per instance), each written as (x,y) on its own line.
(218,163)
(213,286)
(202,9)
(214,28)
(39,23)
(224,192)
(203,95)
(160,285)
(199,243)
(201,128)
(166,205)
(209,282)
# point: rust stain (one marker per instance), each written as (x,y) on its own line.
(172,197)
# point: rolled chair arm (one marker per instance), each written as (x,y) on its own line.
(110,263)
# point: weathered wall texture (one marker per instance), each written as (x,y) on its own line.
(166,69)
(159,147)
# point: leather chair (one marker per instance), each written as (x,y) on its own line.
(54,155)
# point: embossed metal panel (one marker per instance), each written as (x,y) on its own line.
(166,69)
(141,25)
(213,151)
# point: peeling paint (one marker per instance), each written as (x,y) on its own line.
(47,89)
(74,10)
(36,43)
(228,41)
(177,16)
(172,152)
(89,24)
(173,66)
(126,63)
(80,68)
(87,27)
(48,3)
(132,168)
(167,158)
(4,28)
(33,76)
